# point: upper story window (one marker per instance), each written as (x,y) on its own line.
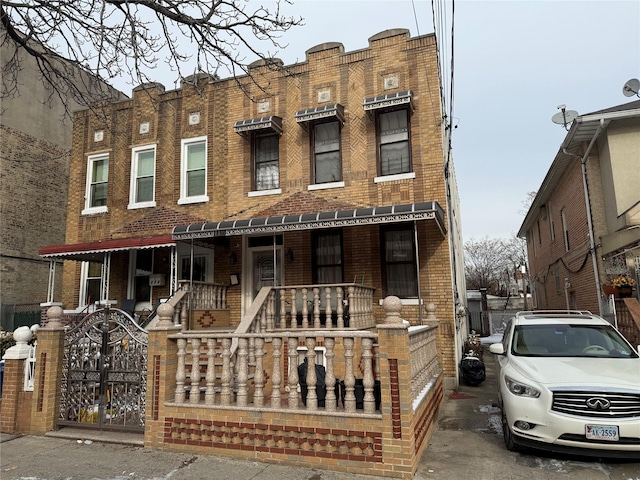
(193,170)
(399,270)
(266,159)
(327,163)
(97,184)
(143,177)
(394,153)
(327,257)
(565,229)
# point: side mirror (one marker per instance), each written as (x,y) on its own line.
(496,348)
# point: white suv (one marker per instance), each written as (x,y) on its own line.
(569,382)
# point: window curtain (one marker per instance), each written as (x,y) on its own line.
(266,158)
(327,152)
(394,143)
(400,263)
(329,258)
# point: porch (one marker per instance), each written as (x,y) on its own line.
(240,393)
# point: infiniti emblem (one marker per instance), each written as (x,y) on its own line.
(598,403)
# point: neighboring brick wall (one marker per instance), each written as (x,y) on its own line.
(33,200)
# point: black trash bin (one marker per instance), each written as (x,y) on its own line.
(472,370)
(321,387)
(358,391)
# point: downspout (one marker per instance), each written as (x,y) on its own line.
(592,244)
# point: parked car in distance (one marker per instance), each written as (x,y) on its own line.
(569,382)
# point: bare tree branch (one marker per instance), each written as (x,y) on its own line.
(114,39)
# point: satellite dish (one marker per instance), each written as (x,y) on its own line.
(564,117)
(631,88)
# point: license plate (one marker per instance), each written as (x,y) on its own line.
(602,432)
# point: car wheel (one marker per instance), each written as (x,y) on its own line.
(507,435)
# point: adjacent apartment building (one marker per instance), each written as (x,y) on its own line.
(34,174)
(330,172)
(583,227)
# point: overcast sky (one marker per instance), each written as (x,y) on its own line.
(514,63)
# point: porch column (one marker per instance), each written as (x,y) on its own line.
(173,272)
(52,281)
(105,277)
(45,408)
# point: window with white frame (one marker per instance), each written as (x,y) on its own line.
(143,177)
(394,155)
(266,157)
(97,184)
(90,282)
(193,171)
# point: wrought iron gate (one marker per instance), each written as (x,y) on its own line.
(104,378)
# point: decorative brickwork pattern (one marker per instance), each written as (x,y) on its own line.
(339,444)
(396,417)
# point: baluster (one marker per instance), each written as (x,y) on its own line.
(225,394)
(327,293)
(262,320)
(282,321)
(223,300)
(271,308)
(258,376)
(294,309)
(293,372)
(352,307)
(316,308)
(349,379)
(340,308)
(209,396)
(312,378)
(368,381)
(276,374)
(184,316)
(194,393)
(241,396)
(305,309)
(252,351)
(330,377)
(180,370)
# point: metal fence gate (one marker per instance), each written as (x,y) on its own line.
(104,378)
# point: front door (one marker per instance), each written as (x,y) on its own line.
(267,269)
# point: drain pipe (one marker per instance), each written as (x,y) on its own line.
(592,244)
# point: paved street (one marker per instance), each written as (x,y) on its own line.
(467,445)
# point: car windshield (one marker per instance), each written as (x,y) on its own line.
(570,341)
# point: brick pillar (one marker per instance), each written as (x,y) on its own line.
(162,355)
(13,382)
(395,371)
(48,374)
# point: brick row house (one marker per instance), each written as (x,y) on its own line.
(331,174)
(224,236)
(583,227)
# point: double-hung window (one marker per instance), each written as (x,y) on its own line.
(266,155)
(193,170)
(327,164)
(97,183)
(143,177)
(399,262)
(327,257)
(394,153)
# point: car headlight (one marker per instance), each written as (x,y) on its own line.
(521,389)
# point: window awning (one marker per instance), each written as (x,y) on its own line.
(317,113)
(93,251)
(308,221)
(389,100)
(243,127)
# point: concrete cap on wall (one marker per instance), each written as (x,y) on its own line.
(392,32)
(325,46)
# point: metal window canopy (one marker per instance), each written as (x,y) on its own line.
(315,220)
(398,99)
(245,127)
(303,117)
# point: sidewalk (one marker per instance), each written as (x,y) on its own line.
(467,445)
